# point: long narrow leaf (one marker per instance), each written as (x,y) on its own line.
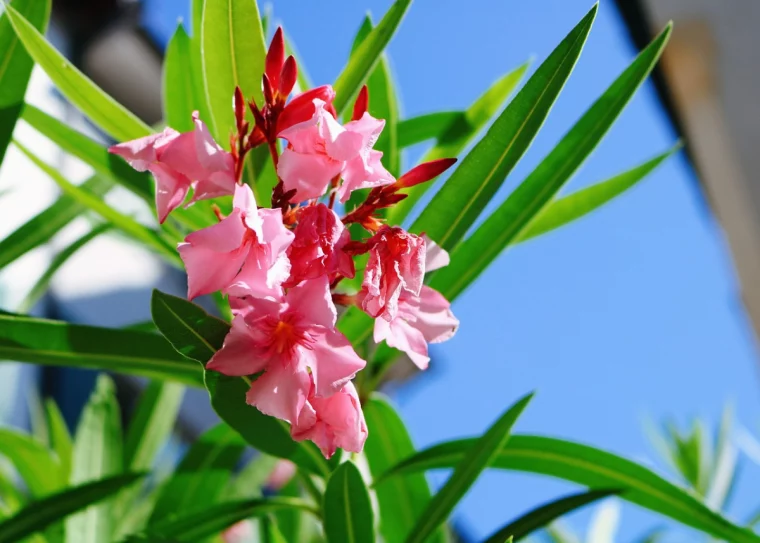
(16,65)
(590,467)
(541,516)
(367,55)
(347,509)
(472,257)
(101,108)
(60,438)
(180,94)
(38,468)
(233,52)
(462,198)
(126,224)
(41,286)
(425,127)
(56,343)
(39,515)
(477,458)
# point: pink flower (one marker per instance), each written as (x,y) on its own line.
(422,319)
(243,255)
(179,161)
(318,245)
(333,422)
(293,343)
(396,264)
(240,532)
(319,149)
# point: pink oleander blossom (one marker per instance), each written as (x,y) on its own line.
(337,421)
(243,255)
(317,249)
(396,264)
(319,149)
(179,161)
(294,343)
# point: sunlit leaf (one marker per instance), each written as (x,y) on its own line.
(180,92)
(348,516)
(35,464)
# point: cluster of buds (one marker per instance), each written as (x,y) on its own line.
(281,265)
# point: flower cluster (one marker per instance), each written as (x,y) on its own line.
(281,266)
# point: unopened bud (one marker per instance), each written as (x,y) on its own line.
(424,172)
(288,77)
(361,104)
(275,58)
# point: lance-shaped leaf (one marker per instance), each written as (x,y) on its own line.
(39,515)
(98,450)
(473,256)
(477,458)
(43,226)
(425,127)
(127,225)
(57,343)
(572,207)
(60,438)
(479,175)
(35,464)
(91,100)
(180,93)
(454,137)
(90,152)
(590,467)
(539,517)
(367,55)
(347,508)
(41,286)
(233,52)
(197,335)
(16,65)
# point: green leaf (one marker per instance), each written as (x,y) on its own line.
(477,458)
(16,65)
(43,226)
(401,499)
(465,194)
(233,53)
(152,424)
(426,127)
(590,467)
(470,258)
(101,109)
(197,525)
(39,515)
(90,152)
(367,55)
(202,476)
(36,465)
(60,438)
(543,515)
(56,343)
(452,139)
(180,93)
(127,225)
(580,203)
(98,451)
(197,335)
(249,482)
(41,286)
(348,516)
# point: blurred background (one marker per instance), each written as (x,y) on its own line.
(648,310)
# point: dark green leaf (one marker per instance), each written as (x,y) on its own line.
(90,152)
(452,139)
(180,92)
(477,458)
(348,514)
(590,467)
(426,127)
(41,286)
(541,516)
(401,499)
(16,65)
(473,256)
(39,515)
(578,204)
(367,55)
(56,343)
(233,52)
(103,110)
(465,194)
(36,465)
(202,476)
(98,450)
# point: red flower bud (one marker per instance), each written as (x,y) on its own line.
(266,85)
(288,77)
(424,172)
(301,107)
(361,104)
(275,58)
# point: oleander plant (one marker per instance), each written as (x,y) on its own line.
(288,207)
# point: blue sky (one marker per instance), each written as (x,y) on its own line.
(630,313)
